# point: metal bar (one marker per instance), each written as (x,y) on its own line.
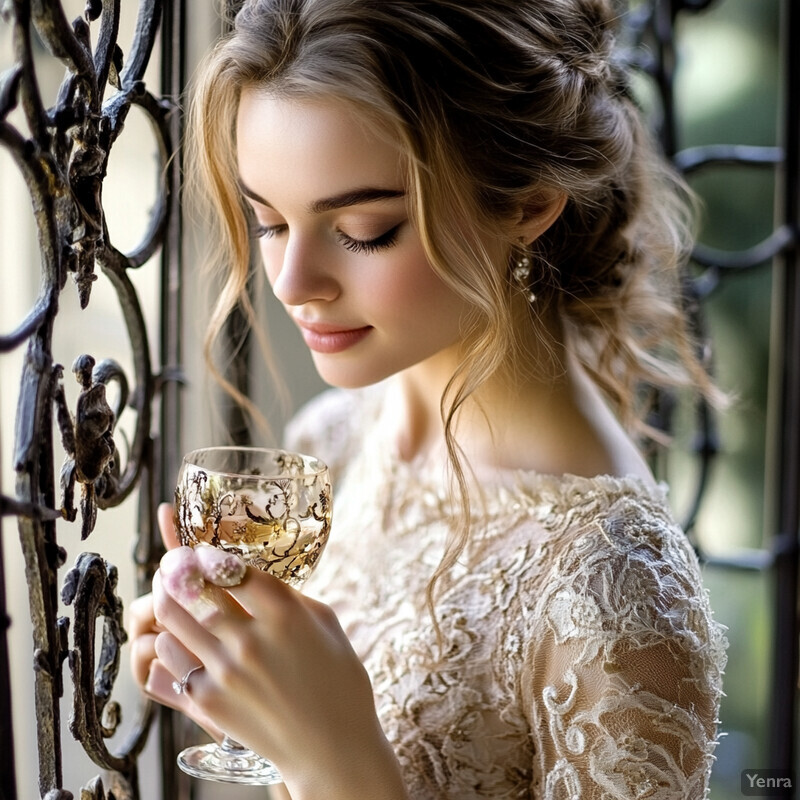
(778,242)
(692,159)
(786,649)
(237,361)
(43,556)
(239,344)
(8,779)
(168,445)
(173,81)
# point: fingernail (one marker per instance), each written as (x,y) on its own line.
(219,566)
(181,575)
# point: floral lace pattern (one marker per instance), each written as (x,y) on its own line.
(579,655)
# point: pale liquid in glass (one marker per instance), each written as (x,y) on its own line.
(289,553)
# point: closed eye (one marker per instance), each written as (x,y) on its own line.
(266,231)
(367,246)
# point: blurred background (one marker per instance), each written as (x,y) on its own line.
(728,92)
(728,87)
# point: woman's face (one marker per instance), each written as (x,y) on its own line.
(340,251)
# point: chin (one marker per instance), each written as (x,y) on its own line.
(353,378)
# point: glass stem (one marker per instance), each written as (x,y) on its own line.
(233,748)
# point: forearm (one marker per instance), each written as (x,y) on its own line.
(375,774)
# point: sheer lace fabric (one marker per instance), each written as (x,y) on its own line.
(579,654)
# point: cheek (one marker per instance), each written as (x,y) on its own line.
(271,259)
(411,290)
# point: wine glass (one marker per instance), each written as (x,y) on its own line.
(273,509)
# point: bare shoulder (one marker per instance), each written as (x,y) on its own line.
(565,428)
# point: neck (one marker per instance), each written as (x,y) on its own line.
(415,405)
(490,410)
(548,417)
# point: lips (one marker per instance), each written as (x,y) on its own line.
(324,337)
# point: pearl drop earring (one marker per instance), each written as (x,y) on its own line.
(522,277)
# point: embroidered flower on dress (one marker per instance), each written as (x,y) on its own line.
(571,616)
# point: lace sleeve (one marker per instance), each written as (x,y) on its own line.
(625,671)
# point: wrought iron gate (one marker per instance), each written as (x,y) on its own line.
(63,157)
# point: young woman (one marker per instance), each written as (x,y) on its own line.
(457,204)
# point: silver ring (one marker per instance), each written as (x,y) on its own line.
(181,687)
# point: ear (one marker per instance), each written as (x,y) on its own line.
(538,215)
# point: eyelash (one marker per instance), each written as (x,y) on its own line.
(382,242)
(266,231)
(360,246)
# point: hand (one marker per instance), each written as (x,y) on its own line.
(280,677)
(148,671)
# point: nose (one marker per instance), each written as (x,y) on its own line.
(303,275)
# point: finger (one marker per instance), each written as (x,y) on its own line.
(259,588)
(182,575)
(219,566)
(197,622)
(159,688)
(178,660)
(143,653)
(142,617)
(183,623)
(166,522)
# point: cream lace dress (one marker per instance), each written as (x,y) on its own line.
(580,658)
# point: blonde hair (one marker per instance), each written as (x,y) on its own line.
(498,105)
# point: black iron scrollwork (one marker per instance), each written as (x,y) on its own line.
(90,587)
(92,457)
(62,153)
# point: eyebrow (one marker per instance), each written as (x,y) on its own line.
(352,197)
